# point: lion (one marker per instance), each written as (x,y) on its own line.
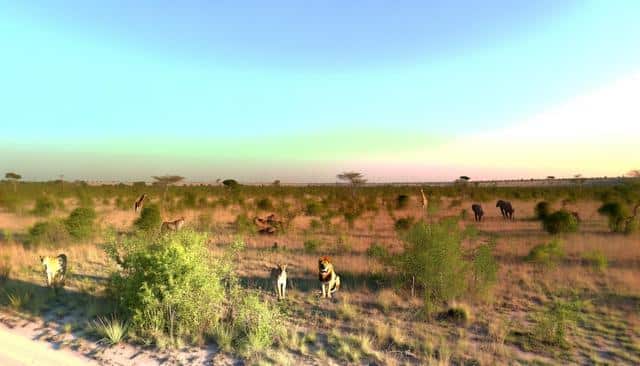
(55,269)
(328,277)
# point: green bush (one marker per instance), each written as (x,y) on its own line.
(44,206)
(313,209)
(595,259)
(433,257)
(81,223)
(311,245)
(402,201)
(403,224)
(149,220)
(51,232)
(546,254)
(172,288)
(552,325)
(264,204)
(484,269)
(168,286)
(560,222)
(377,251)
(542,210)
(244,225)
(616,212)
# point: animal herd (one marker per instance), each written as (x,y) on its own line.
(506,209)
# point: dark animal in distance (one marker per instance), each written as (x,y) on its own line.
(576,215)
(138,203)
(478,212)
(506,209)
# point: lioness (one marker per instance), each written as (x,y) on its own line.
(279,276)
(172,225)
(328,277)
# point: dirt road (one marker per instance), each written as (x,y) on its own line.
(19,350)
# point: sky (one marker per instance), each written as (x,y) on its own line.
(302,90)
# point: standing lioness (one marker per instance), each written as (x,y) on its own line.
(328,277)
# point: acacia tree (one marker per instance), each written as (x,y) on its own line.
(634,173)
(13,177)
(353,178)
(165,181)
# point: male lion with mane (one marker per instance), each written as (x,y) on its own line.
(328,277)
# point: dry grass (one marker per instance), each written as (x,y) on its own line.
(375,321)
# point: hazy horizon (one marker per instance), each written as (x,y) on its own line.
(411,92)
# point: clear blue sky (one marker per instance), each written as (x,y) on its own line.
(297,90)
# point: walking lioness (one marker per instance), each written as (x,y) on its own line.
(172,225)
(328,277)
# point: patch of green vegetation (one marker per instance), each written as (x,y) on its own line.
(560,222)
(81,223)
(546,254)
(149,220)
(44,206)
(553,324)
(596,259)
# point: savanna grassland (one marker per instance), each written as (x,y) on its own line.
(420,285)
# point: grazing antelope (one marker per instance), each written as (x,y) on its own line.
(505,209)
(279,275)
(172,225)
(138,204)
(478,212)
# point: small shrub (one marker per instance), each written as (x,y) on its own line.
(313,209)
(456,313)
(484,269)
(403,224)
(311,245)
(595,259)
(542,210)
(256,325)
(81,223)
(433,257)
(377,251)
(402,201)
(315,225)
(149,220)
(553,325)
(546,254)
(560,222)
(264,204)
(616,212)
(244,225)
(112,330)
(52,232)
(44,206)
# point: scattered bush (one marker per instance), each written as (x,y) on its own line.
(264,204)
(433,257)
(81,223)
(311,245)
(44,206)
(484,269)
(456,313)
(313,209)
(149,220)
(52,232)
(616,212)
(560,222)
(546,254)
(542,210)
(402,201)
(553,324)
(377,251)
(403,224)
(596,259)
(315,225)
(244,225)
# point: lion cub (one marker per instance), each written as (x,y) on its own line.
(279,275)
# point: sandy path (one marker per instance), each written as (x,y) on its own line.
(18,350)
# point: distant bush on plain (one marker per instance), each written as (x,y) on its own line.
(560,222)
(542,210)
(149,220)
(44,206)
(81,223)
(546,254)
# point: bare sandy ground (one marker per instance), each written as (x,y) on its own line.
(18,350)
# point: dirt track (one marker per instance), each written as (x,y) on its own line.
(17,349)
